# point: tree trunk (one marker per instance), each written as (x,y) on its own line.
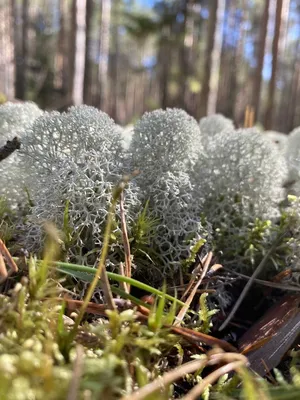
(272,83)
(210,80)
(88,69)
(21,52)
(183,57)
(72,50)
(260,59)
(104,54)
(164,53)
(6,52)
(62,59)
(79,53)
(293,117)
(114,58)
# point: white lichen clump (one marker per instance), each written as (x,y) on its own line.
(67,135)
(214,124)
(165,141)
(293,155)
(178,214)
(86,189)
(244,165)
(279,139)
(15,120)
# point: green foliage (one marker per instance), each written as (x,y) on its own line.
(7,221)
(205,314)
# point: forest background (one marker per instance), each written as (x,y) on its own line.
(131,56)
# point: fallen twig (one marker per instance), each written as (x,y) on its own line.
(9,148)
(189,300)
(5,255)
(249,284)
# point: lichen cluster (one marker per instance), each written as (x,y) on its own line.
(15,120)
(198,181)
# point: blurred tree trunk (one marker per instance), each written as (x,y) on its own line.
(104,54)
(21,49)
(238,64)
(79,52)
(210,80)
(260,59)
(187,56)
(183,56)
(284,73)
(272,83)
(63,48)
(232,57)
(6,52)
(164,69)
(114,58)
(88,69)
(293,117)
(72,50)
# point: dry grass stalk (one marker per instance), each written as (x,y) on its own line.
(125,241)
(189,300)
(124,285)
(165,380)
(77,373)
(5,255)
(249,117)
(193,279)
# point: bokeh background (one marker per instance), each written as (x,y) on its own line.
(129,56)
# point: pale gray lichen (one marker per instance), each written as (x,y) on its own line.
(15,119)
(293,155)
(239,178)
(242,164)
(214,124)
(164,141)
(87,187)
(57,136)
(278,138)
(178,214)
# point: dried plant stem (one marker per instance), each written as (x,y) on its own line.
(166,379)
(265,283)
(3,270)
(77,372)
(6,254)
(189,300)
(122,273)
(125,241)
(211,378)
(193,279)
(101,269)
(249,283)
(234,361)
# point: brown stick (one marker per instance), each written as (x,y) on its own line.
(9,148)
(8,258)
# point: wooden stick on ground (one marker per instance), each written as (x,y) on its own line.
(9,148)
